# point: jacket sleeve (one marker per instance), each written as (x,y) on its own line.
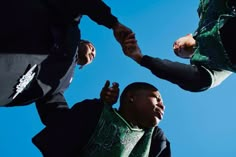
(66,136)
(97,10)
(188,77)
(160,146)
(52,108)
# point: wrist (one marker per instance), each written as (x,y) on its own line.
(115,25)
(138,58)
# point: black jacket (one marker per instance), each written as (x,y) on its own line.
(42,32)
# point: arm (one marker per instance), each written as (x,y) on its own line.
(70,131)
(99,12)
(69,10)
(52,108)
(96,10)
(188,77)
(76,128)
(197,78)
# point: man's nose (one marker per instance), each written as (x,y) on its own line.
(161,105)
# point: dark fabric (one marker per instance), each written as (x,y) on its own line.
(67,132)
(228,36)
(25,27)
(43,27)
(52,108)
(71,131)
(188,77)
(53,75)
(12,67)
(160,146)
(55,59)
(97,10)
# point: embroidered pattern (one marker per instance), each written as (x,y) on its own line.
(24,81)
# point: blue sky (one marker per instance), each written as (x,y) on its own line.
(197,124)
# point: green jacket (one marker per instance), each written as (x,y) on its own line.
(114,137)
(210,52)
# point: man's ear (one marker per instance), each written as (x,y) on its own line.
(131,100)
(130,97)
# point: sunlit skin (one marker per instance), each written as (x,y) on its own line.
(184,46)
(150,108)
(146,108)
(110,93)
(86,53)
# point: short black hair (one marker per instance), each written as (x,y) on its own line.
(133,87)
(84,41)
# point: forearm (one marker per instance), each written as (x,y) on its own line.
(188,77)
(52,108)
(97,10)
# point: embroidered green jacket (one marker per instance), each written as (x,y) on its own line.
(210,52)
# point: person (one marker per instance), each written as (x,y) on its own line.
(38,45)
(211,50)
(85,54)
(94,128)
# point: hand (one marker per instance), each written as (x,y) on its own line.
(121,32)
(184,46)
(131,48)
(109,95)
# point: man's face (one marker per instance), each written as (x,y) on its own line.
(149,108)
(86,53)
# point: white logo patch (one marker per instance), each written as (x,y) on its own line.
(25,80)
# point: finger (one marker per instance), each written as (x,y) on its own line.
(127,37)
(112,91)
(176,45)
(130,36)
(131,46)
(107,84)
(130,41)
(115,84)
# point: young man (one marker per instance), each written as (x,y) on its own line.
(211,50)
(38,45)
(93,128)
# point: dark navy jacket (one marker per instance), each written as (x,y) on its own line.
(43,33)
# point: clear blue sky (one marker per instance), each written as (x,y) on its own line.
(197,124)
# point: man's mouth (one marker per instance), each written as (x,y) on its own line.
(159,113)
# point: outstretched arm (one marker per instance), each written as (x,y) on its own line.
(188,77)
(99,12)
